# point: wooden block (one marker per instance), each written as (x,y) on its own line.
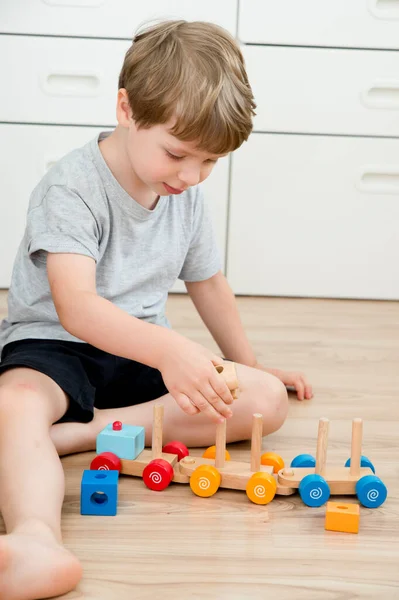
(126,441)
(341,516)
(229,374)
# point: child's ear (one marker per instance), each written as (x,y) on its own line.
(124,113)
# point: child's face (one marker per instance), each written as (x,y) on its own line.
(159,160)
(164,163)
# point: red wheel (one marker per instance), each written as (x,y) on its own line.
(106,461)
(176,448)
(158,474)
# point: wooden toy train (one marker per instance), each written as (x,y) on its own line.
(262,478)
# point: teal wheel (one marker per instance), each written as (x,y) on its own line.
(371,491)
(364,462)
(314,490)
(303,460)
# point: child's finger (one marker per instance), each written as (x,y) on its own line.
(300,389)
(308,391)
(186,405)
(216,401)
(204,406)
(220,387)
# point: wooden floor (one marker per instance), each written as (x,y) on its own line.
(172,544)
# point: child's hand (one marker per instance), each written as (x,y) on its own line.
(188,371)
(292,379)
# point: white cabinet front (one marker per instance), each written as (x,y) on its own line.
(60,80)
(315,216)
(324,90)
(348,23)
(106,18)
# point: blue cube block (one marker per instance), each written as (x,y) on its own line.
(99,493)
(126,441)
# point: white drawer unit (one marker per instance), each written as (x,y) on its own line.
(107,18)
(324,90)
(65,80)
(27,151)
(314,193)
(340,23)
(315,216)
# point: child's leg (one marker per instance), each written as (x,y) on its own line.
(33,562)
(259,393)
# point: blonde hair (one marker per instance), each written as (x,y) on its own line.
(192,72)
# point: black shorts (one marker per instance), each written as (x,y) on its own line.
(89,376)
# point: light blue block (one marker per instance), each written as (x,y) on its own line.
(99,493)
(126,443)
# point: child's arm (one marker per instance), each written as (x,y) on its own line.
(188,369)
(215,302)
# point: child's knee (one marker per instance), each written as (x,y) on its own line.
(17,398)
(270,400)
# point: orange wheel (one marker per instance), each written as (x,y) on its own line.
(205,481)
(261,488)
(272,459)
(211,453)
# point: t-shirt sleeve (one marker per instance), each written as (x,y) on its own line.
(203,257)
(61,222)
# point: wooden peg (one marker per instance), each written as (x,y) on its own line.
(356,448)
(220,445)
(256,443)
(321,450)
(157,426)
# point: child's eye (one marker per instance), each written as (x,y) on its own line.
(173,156)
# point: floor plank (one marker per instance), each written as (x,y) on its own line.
(176,545)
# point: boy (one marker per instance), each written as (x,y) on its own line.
(109,230)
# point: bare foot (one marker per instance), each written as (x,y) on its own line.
(34,565)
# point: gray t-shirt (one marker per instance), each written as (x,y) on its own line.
(79,207)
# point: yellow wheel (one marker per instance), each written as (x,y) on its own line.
(205,481)
(272,459)
(211,453)
(261,488)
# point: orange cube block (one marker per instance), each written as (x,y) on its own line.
(341,516)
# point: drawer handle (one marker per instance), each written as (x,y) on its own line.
(379,180)
(75,3)
(382,95)
(384,9)
(71,84)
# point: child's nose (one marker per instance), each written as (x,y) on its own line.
(190,176)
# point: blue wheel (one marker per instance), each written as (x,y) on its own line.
(371,491)
(314,490)
(364,462)
(303,460)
